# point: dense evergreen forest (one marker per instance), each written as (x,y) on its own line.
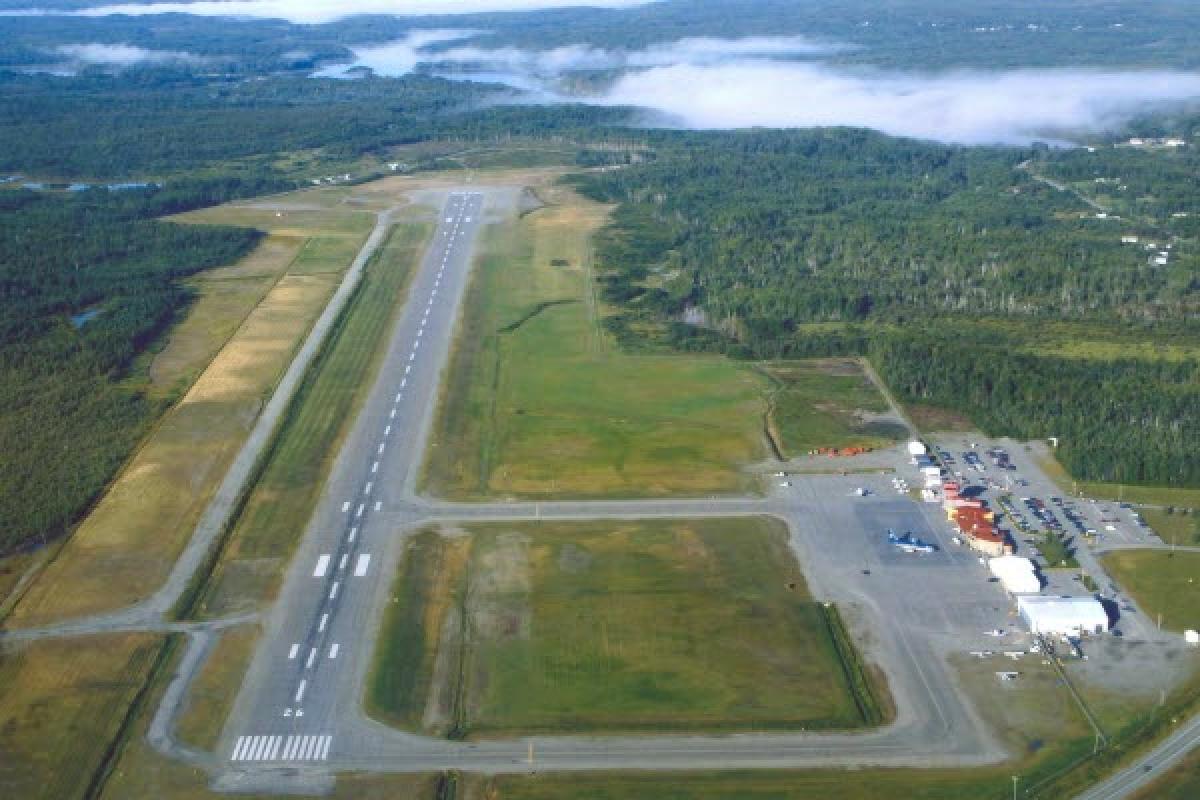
(757,244)
(778,244)
(86,283)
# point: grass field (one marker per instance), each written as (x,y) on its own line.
(1162,582)
(1034,716)
(655,625)
(61,704)
(826,403)
(538,404)
(277,510)
(1177,528)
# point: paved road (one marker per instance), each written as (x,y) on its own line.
(1149,767)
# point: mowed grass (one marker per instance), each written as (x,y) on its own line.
(537,403)
(277,510)
(1162,582)
(1176,528)
(326,253)
(1034,717)
(606,626)
(826,403)
(212,692)
(61,704)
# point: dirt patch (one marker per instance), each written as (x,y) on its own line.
(930,419)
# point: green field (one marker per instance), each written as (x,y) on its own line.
(826,403)
(1175,528)
(662,625)
(277,510)
(1162,582)
(538,404)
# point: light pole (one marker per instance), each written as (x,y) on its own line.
(1015,778)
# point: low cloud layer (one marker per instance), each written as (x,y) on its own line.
(520,66)
(321,11)
(120,55)
(776,82)
(970,107)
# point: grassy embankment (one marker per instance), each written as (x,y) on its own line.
(247,322)
(539,404)
(652,625)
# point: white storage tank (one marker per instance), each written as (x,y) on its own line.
(916,448)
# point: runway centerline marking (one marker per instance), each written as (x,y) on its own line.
(312,656)
(300,690)
(324,621)
(342,563)
(333,590)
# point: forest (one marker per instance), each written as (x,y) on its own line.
(87,282)
(937,262)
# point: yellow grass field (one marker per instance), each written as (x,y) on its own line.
(61,704)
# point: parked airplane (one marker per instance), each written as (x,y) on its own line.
(909,543)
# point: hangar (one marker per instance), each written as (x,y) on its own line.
(1062,616)
(1016,574)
